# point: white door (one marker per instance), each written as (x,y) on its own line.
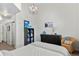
(4,33)
(8,34)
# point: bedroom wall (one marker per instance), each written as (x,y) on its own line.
(33,18)
(65,17)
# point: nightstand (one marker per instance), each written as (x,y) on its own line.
(69,44)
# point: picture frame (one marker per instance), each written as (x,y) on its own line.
(49,24)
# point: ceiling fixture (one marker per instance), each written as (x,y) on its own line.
(5,14)
(33,9)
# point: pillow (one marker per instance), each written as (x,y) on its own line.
(66,38)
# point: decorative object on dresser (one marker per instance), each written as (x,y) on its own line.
(53,39)
(68,43)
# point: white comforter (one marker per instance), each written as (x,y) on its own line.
(52,47)
(38,49)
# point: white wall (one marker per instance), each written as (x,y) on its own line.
(19,30)
(33,18)
(65,17)
(20,17)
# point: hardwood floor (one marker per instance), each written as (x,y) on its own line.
(5,46)
(76,53)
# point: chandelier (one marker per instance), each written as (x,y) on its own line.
(33,9)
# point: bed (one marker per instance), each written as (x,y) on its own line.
(37,49)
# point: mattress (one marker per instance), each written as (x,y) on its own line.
(36,49)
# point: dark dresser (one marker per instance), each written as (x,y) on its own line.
(53,39)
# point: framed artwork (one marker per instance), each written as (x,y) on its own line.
(49,24)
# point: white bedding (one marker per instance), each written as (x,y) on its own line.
(37,49)
(52,47)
